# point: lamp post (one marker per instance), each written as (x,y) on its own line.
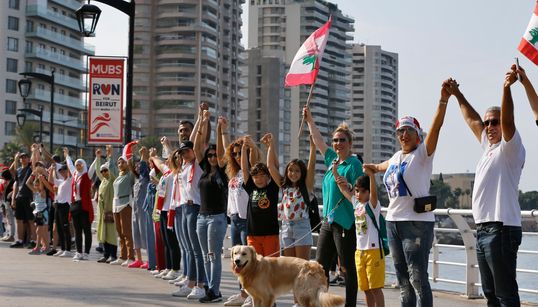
(24,87)
(21,119)
(88,16)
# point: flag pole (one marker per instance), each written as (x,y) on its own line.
(306,105)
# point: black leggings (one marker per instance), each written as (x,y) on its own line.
(171,245)
(61,218)
(110,250)
(81,221)
(333,238)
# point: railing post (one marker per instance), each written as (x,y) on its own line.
(435,264)
(469,240)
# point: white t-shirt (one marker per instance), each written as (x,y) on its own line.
(64,192)
(367,234)
(237,196)
(416,168)
(164,188)
(495,191)
(190,190)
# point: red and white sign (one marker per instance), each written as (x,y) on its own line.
(105,107)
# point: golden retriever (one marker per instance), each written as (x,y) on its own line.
(266,278)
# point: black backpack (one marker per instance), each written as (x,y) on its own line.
(313,209)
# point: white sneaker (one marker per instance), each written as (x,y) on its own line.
(182,292)
(127,262)
(179,278)
(58,253)
(85,256)
(182,282)
(162,273)
(66,254)
(171,275)
(235,300)
(248,302)
(155,272)
(196,293)
(78,257)
(117,262)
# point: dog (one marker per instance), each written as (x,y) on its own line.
(266,278)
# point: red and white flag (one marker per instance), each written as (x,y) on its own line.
(305,65)
(529,43)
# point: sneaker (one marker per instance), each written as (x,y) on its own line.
(145,266)
(66,254)
(182,282)
(127,262)
(155,272)
(58,253)
(8,238)
(31,245)
(248,302)
(162,273)
(135,265)
(196,293)
(211,298)
(111,259)
(235,300)
(85,256)
(118,261)
(171,275)
(179,278)
(182,292)
(51,252)
(35,251)
(102,260)
(17,244)
(78,257)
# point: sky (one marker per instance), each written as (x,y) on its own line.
(474,42)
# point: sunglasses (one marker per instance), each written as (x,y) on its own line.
(491,122)
(401,131)
(236,154)
(211,155)
(339,140)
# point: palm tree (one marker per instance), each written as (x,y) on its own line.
(468,193)
(458,192)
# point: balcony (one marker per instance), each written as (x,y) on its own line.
(58,59)
(43,12)
(44,95)
(70,4)
(63,40)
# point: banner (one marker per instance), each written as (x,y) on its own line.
(105,103)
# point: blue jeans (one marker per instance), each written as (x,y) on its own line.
(410,243)
(211,231)
(182,239)
(150,239)
(196,260)
(496,250)
(238,230)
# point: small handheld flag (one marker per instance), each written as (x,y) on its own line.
(529,43)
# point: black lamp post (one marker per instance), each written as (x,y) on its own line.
(88,16)
(24,87)
(21,119)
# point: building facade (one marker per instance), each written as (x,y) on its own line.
(42,36)
(374,102)
(186,52)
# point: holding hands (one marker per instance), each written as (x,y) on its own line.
(267,139)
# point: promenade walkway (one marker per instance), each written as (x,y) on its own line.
(27,280)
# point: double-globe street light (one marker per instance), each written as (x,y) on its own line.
(88,16)
(25,85)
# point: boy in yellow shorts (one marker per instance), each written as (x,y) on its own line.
(368,257)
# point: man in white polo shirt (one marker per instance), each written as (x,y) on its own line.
(496,209)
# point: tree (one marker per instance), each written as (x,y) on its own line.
(528,200)
(445,198)
(151,141)
(468,194)
(458,192)
(8,152)
(25,135)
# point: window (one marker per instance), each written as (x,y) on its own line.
(29,26)
(11,86)
(13,23)
(28,66)
(14,4)
(10,128)
(29,47)
(11,65)
(11,107)
(12,44)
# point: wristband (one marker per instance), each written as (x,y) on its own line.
(443,102)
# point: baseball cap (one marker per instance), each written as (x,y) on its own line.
(185,145)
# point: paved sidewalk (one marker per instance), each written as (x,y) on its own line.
(27,280)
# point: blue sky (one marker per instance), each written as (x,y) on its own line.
(474,42)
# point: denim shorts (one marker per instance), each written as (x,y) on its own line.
(296,233)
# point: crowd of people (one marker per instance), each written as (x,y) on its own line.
(177,205)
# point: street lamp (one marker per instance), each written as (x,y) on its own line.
(21,118)
(24,87)
(87,17)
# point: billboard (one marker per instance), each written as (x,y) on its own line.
(105,102)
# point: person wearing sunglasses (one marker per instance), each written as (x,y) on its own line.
(495,205)
(337,232)
(407,177)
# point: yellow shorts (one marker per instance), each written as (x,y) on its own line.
(370,269)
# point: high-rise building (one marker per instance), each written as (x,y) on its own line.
(282,26)
(186,52)
(41,36)
(374,102)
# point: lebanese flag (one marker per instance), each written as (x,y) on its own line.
(305,65)
(528,45)
(128,150)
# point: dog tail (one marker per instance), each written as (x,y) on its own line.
(330,300)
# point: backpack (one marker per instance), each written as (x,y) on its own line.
(381,231)
(313,209)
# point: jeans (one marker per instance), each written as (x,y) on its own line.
(410,243)
(496,250)
(81,222)
(334,239)
(238,230)
(182,239)
(61,218)
(196,260)
(211,230)
(150,239)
